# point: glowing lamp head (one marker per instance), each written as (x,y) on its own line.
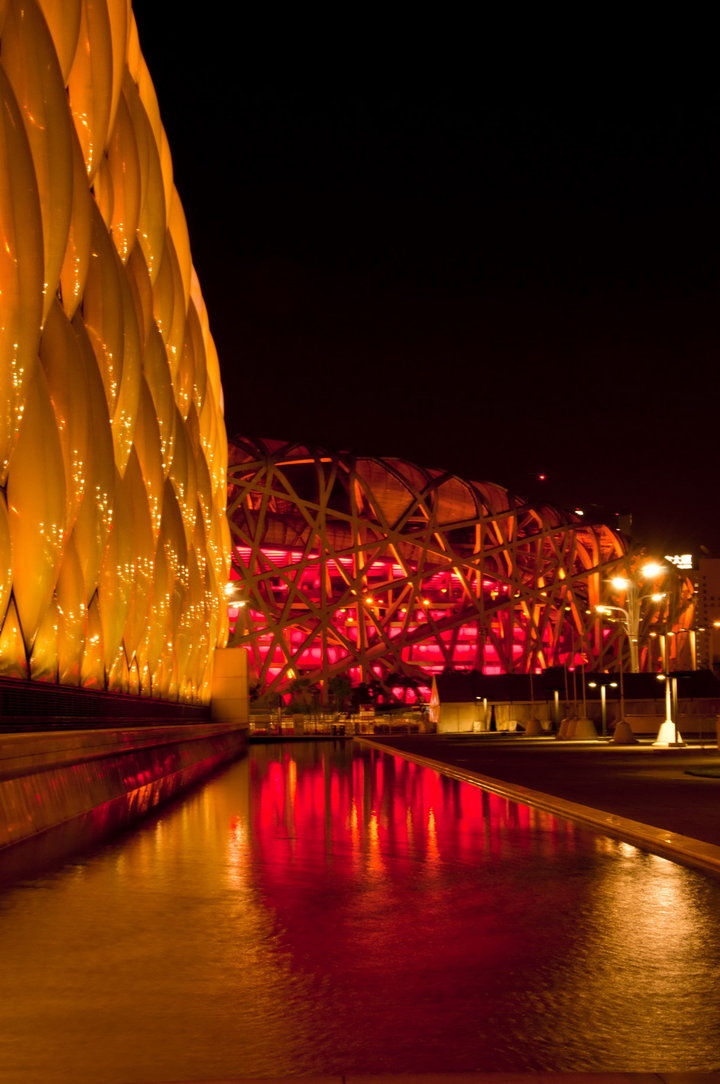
(652,569)
(658,596)
(233,592)
(598,609)
(620,583)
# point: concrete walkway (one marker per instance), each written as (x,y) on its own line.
(641,794)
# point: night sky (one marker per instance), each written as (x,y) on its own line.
(496,268)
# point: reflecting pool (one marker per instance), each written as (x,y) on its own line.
(323,908)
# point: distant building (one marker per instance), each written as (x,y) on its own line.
(474,703)
(707,581)
(389,573)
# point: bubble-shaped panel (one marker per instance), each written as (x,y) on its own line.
(113,538)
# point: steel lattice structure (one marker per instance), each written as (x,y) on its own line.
(113,453)
(377,567)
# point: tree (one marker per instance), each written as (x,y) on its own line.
(304,695)
(339,690)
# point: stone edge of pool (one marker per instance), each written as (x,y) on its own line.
(468,1078)
(100,780)
(659,841)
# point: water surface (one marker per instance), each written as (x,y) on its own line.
(319,908)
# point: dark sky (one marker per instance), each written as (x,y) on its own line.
(479,264)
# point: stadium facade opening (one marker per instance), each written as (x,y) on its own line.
(388,572)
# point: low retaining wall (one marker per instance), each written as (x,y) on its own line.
(101,780)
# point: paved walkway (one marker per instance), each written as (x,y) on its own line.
(639,793)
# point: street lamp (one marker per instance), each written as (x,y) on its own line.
(669,734)
(629,619)
(603,707)
(233,594)
(630,613)
(233,591)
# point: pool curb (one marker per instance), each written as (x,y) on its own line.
(660,841)
(479,1077)
(102,780)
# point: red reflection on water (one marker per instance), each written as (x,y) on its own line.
(414,806)
(384,816)
(397,889)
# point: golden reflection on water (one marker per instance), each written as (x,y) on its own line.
(433,850)
(313,912)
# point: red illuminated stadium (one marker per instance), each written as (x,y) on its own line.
(387,572)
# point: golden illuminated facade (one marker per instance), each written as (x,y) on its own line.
(381,570)
(113,455)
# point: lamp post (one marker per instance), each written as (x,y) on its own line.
(669,734)
(233,591)
(631,612)
(603,697)
(629,619)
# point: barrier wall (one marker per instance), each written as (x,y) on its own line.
(96,781)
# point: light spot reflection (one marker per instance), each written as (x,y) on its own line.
(319,909)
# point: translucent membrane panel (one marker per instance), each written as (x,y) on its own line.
(113,539)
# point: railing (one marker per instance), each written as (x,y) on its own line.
(337,725)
